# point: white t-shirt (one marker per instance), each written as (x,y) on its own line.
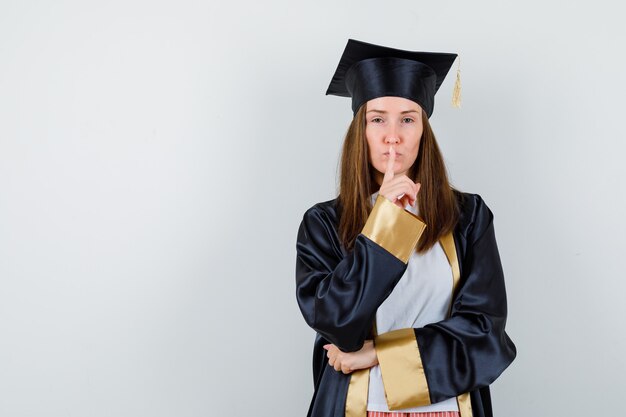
(422,296)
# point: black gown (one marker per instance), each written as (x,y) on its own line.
(338,293)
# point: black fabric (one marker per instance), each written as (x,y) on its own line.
(339,292)
(366,71)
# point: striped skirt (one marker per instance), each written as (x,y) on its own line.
(428,414)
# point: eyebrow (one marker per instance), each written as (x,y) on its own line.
(384,112)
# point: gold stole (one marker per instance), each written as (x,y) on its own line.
(356,400)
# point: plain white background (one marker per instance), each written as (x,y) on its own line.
(156,159)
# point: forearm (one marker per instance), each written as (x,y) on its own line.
(339,293)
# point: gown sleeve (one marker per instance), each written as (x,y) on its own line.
(466,351)
(338,294)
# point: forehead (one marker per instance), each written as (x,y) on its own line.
(392,104)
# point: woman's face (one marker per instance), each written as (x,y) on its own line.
(397,122)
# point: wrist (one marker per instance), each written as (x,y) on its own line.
(374,354)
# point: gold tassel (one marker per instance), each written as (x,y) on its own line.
(456,94)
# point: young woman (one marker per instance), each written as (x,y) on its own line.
(400,274)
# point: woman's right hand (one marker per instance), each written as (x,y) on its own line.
(347,362)
(398,189)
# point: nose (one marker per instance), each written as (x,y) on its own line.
(391,135)
(391,140)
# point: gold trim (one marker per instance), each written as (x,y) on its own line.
(402,370)
(465,405)
(393,228)
(447,243)
(358,389)
(356,400)
(401,344)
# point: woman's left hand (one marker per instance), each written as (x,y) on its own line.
(347,362)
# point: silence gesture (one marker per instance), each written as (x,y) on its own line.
(398,189)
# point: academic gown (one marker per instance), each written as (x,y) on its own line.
(339,291)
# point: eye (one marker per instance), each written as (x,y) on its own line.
(377,120)
(407,120)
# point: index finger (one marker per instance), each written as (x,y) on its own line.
(390,163)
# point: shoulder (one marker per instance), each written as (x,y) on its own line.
(475,217)
(321,219)
(319,227)
(325,211)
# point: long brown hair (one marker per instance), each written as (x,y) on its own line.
(437,203)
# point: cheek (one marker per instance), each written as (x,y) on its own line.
(372,150)
(372,157)
(369,136)
(414,149)
(375,159)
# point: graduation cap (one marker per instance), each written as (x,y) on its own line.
(368,71)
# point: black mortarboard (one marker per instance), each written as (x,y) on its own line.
(368,71)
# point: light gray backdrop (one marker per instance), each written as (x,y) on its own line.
(156,159)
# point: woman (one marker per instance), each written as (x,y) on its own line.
(400,274)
